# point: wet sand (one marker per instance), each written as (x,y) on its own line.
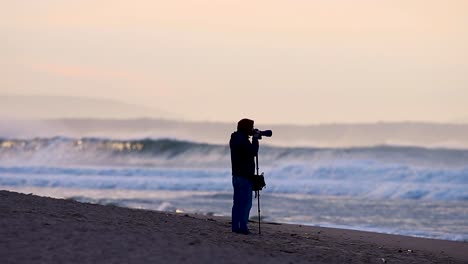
(37,229)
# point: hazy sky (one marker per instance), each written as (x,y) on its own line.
(298,61)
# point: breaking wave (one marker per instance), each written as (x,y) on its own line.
(381,172)
(90,151)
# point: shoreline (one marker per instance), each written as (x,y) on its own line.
(42,229)
(108,196)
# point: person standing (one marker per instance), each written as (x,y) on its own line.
(243,153)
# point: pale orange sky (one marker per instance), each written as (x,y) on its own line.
(274,61)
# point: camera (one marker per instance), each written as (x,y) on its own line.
(259,133)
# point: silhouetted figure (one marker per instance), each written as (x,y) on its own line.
(243,154)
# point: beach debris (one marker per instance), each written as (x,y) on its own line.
(383,260)
(407,251)
(178,211)
(194,242)
(189,216)
(272,223)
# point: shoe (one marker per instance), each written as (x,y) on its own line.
(243,232)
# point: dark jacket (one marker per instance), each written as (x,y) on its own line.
(243,154)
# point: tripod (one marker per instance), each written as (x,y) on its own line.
(257,195)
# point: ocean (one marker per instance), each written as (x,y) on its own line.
(413,191)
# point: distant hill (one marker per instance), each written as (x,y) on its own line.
(49,116)
(47,107)
(462,120)
(325,135)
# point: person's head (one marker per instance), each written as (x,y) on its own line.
(246,126)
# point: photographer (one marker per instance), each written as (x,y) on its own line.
(243,154)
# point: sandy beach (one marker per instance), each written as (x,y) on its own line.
(37,229)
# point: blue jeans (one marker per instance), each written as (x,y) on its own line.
(242,203)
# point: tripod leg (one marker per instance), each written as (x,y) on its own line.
(259,219)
